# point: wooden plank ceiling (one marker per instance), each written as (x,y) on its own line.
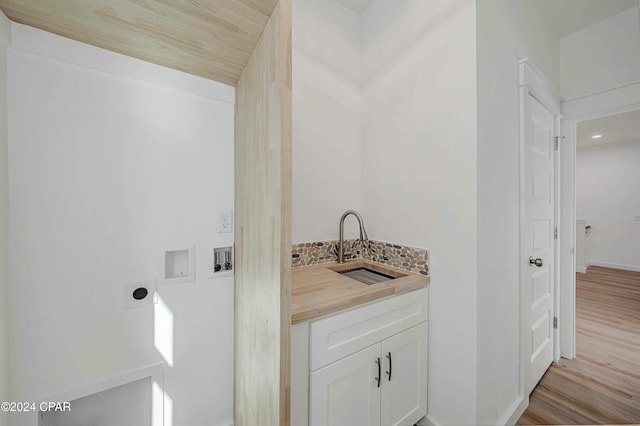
(209,38)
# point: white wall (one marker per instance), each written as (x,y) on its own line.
(419,172)
(607,185)
(5,38)
(123,405)
(327,123)
(602,56)
(106,170)
(504,29)
(533,38)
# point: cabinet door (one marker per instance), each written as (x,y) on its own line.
(346,393)
(404,377)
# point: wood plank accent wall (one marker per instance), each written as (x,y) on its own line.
(263,228)
(209,38)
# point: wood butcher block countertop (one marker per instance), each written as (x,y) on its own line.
(318,290)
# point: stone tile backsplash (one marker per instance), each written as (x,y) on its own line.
(317,253)
(404,257)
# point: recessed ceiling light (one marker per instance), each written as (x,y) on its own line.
(596,136)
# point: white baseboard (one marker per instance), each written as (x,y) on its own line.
(581,270)
(515,412)
(615,266)
(510,417)
(428,421)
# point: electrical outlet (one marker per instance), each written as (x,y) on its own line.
(225,221)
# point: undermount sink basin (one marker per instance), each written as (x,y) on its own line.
(366,275)
(367,272)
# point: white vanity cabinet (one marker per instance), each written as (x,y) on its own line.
(364,366)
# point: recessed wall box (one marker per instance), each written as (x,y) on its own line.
(222,262)
(179,265)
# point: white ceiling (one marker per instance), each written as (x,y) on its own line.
(568,16)
(357,6)
(614,128)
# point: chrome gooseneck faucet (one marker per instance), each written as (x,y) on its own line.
(363,232)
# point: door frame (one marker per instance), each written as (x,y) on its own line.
(532,82)
(600,104)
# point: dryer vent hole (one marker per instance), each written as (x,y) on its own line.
(140,293)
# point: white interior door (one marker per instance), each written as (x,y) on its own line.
(538,239)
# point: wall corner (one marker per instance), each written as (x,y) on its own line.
(5,29)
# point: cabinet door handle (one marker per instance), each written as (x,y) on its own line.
(378,378)
(389,372)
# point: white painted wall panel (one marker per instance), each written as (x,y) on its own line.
(419,172)
(607,187)
(128,404)
(506,33)
(327,121)
(105,172)
(531,37)
(602,56)
(38,42)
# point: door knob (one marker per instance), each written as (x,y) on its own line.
(537,262)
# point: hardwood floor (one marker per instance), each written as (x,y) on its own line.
(602,384)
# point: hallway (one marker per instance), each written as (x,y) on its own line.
(602,384)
